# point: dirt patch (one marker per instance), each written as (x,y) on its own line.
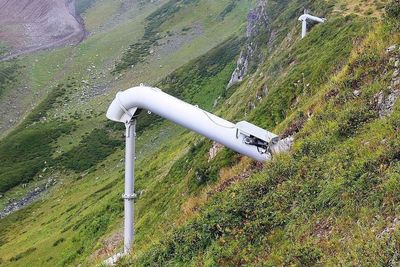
(322,229)
(31,25)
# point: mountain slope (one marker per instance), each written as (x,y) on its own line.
(331,201)
(67,233)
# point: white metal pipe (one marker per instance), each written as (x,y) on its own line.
(129,194)
(304,28)
(126,104)
(303,18)
(242,137)
(311,17)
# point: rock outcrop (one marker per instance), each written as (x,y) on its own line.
(27,199)
(385,101)
(214,151)
(257,22)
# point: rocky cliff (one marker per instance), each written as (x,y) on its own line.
(257,22)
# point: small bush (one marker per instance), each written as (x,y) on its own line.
(22,254)
(25,153)
(306,256)
(393,15)
(58,241)
(228,9)
(353,119)
(9,72)
(393,9)
(92,149)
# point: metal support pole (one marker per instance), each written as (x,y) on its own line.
(129,194)
(304,28)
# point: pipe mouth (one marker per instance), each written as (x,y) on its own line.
(118,113)
(113,112)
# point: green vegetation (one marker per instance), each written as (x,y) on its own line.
(199,81)
(58,241)
(196,167)
(40,112)
(331,201)
(161,15)
(393,14)
(24,154)
(138,51)
(9,71)
(23,254)
(3,48)
(307,72)
(228,8)
(93,149)
(344,168)
(393,9)
(93,225)
(28,149)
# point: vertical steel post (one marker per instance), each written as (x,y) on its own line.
(304,28)
(129,195)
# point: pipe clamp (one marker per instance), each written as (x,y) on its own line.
(129,197)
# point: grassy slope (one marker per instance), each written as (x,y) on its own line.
(329,201)
(8,75)
(62,228)
(287,210)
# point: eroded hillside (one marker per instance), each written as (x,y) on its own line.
(28,26)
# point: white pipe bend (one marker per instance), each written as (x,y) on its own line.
(126,104)
(311,17)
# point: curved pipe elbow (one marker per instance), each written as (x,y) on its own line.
(126,103)
(311,17)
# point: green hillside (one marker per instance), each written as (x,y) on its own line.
(333,200)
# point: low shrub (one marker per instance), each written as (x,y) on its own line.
(25,153)
(393,9)
(22,254)
(9,71)
(94,148)
(58,241)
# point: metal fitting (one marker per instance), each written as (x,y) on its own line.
(129,197)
